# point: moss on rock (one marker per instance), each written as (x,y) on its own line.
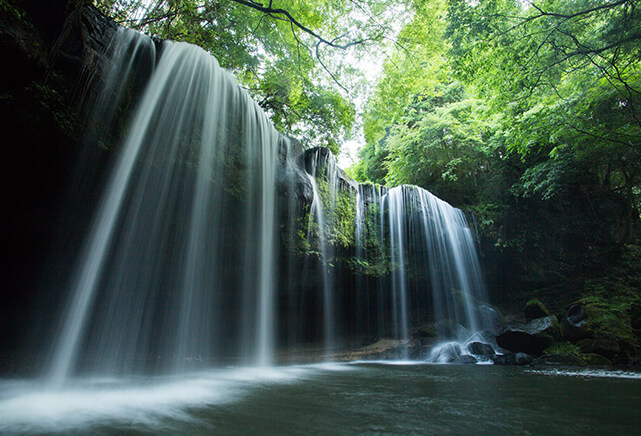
(535,309)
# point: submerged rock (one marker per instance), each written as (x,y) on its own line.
(531,337)
(465,359)
(384,349)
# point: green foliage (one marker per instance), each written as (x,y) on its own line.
(562,349)
(609,307)
(372,267)
(441,144)
(526,115)
(340,210)
(290,55)
(410,74)
(11,11)
(412,70)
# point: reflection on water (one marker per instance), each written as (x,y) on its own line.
(365,397)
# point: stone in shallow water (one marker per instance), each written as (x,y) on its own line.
(512,359)
(504,359)
(465,360)
(522,359)
(480,349)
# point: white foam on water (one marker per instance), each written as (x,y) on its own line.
(28,406)
(330,366)
(603,373)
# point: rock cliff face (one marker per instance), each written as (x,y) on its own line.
(53,57)
(37,115)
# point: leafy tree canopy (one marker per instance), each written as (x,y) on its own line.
(291,55)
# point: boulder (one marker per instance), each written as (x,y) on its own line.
(535,309)
(512,359)
(531,337)
(628,352)
(604,347)
(480,349)
(522,359)
(573,324)
(504,359)
(491,318)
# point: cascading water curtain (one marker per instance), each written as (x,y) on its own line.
(160,261)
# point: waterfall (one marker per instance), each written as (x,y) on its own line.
(397,240)
(152,277)
(322,168)
(182,267)
(432,260)
(126,49)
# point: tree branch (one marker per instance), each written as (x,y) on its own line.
(327,69)
(543,13)
(276,11)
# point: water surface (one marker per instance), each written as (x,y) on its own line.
(372,398)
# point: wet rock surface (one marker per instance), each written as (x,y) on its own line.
(480,349)
(529,337)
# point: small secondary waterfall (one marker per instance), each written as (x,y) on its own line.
(431,255)
(322,216)
(182,267)
(442,235)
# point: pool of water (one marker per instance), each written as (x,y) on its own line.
(373,398)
